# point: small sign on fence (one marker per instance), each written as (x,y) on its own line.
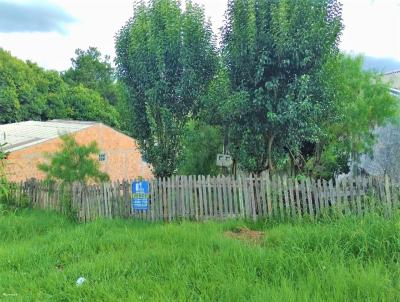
(140,195)
(224,160)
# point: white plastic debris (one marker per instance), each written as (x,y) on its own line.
(80,281)
(9,295)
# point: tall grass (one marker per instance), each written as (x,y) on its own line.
(347,259)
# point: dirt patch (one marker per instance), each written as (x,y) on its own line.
(246,234)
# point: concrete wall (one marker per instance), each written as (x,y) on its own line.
(386,154)
(123,159)
(393,79)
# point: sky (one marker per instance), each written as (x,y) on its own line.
(48,31)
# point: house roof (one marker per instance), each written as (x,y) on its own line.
(393,78)
(396,72)
(24,134)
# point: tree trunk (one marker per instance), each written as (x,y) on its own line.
(270,142)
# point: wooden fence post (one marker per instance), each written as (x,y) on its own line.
(309,198)
(388,194)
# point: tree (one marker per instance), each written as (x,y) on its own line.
(360,102)
(124,108)
(9,104)
(86,104)
(166,58)
(200,145)
(74,163)
(93,71)
(28,92)
(274,51)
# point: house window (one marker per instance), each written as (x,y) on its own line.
(102,157)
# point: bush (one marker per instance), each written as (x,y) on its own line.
(4,185)
(73,163)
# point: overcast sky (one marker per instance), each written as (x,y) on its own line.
(49,31)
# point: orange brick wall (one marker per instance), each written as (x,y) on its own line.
(123,159)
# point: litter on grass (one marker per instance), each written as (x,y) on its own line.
(80,281)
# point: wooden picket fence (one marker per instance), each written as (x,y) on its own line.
(221,197)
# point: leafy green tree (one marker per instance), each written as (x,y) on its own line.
(55,94)
(166,58)
(28,92)
(9,104)
(86,104)
(220,109)
(74,163)
(125,109)
(360,101)
(93,71)
(274,51)
(200,145)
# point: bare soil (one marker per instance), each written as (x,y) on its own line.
(245,234)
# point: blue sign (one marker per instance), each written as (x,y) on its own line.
(140,195)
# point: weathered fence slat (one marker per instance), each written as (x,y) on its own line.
(209,191)
(225,196)
(252,197)
(331,193)
(286,195)
(291,197)
(280,197)
(234,196)
(388,196)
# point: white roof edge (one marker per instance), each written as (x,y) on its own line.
(28,133)
(13,149)
(392,72)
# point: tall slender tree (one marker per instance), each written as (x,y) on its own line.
(166,56)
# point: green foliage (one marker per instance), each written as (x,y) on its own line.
(87,104)
(28,92)
(274,51)
(94,93)
(220,105)
(92,71)
(4,184)
(360,101)
(7,201)
(285,97)
(350,259)
(74,163)
(200,145)
(124,108)
(166,58)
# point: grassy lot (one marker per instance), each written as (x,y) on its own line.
(42,255)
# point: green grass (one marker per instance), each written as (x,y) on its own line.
(348,259)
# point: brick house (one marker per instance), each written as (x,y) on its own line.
(28,141)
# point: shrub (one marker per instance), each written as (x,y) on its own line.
(4,185)
(73,163)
